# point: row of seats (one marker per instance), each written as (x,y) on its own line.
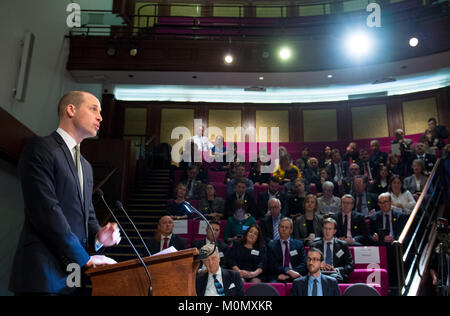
(361,273)
(284,289)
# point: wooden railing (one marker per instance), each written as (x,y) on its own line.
(413,240)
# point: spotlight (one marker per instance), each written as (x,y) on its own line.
(359,44)
(111,48)
(413,41)
(285,53)
(228,59)
(330,76)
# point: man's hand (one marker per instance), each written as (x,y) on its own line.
(293,274)
(109,235)
(375,237)
(388,239)
(98,261)
(283,277)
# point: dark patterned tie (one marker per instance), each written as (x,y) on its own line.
(79,169)
(329,259)
(219,286)
(287,255)
(314,290)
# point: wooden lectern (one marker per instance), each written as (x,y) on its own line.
(172,274)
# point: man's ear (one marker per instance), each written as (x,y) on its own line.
(70,110)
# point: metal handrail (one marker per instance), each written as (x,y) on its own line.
(417,233)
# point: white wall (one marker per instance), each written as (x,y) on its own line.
(48,81)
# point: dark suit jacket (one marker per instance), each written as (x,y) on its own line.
(59,223)
(229,277)
(398,222)
(329,286)
(155,246)
(250,205)
(344,169)
(301,230)
(429,162)
(218,206)
(263,206)
(266,225)
(344,263)
(358,227)
(372,200)
(275,258)
(198,190)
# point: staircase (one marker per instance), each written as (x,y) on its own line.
(145,207)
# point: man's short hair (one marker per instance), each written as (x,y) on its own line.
(385,194)
(329,220)
(287,219)
(72,97)
(274,179)
(348,196)
(328,184)
(240,180)
(314,249)
(432,119)
(360,176)
(276,200)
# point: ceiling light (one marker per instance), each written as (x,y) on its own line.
(285,53)
(330,76)
(413,41)
(261,78)
(229,59)
(359,44)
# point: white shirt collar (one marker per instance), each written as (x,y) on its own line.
(70,142)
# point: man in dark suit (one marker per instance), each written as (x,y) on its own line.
(315,283)
(368,168)
(216,281)
(195,187)
(338,259)
(221,246)
(286,256)
(428,160)
(377,157)
(240,194)
(60,221)
(337,169)
(165,238)
(365,202)
(351,226)
(269,224)
(347,183)
(272,192)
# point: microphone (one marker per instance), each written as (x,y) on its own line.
(202,255)
(120,206)
(150,290)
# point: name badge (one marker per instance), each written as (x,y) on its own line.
(255,253)
(244,228)
(293,253)
(339,253)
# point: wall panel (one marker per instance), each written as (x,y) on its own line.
(416,114)
(370,121)
(320,125)
(270,119)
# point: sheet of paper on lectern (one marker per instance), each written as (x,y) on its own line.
(166,251)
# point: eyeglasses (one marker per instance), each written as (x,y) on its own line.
(313,259)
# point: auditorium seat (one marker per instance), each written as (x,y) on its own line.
(217,176)
(342,288)
(279,287)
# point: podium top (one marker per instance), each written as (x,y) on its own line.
(135,263)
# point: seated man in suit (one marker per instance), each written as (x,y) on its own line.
(337,169)
(315,283)
(215,281)
(428,160)
(272,192)
(240,193)
(165,238)
(368,168)
(338,259)
(195,188)
(401,145)
(365,202)
(269,224)
(351,226)
(286,256)
(377,157)
(221,246)
(347,183)
(239,175)
(351,154)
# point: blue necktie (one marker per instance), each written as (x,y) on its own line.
(219,286)
(314,290)
(329,255)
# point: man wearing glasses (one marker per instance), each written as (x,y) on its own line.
(315,283)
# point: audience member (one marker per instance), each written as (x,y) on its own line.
(240,194)
(351,154)
(315,283)
(292,175)
(396,166)
(377,157)
(416,182)
(221,246)
(337,169)
(256,176)
(176,209)
(328,203)
(348,181)
(324,177)
(382,181)
(401,199)
(195,188)
(312,173)
(201,141)
(351,226)
(366,202)
(269,224)
(308,226)
(238,223)
(401,145)
(368,168)
(338,259)
(219,152)
(304,154)
(326,161)
(248,257)
(295,205)
(286,256)
(430,139)
(165,238)
(272,192)
(428,160)
(215,281)
(240,175)
(285,165)
(211,205)
(441,131)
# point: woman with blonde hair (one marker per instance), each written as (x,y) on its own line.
(308,226)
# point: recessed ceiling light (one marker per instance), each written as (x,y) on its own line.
(228,59)
(413,41)
(261,78)
(330,76)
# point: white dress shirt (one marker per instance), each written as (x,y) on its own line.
(210,286)
(406,199)
(71,145)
